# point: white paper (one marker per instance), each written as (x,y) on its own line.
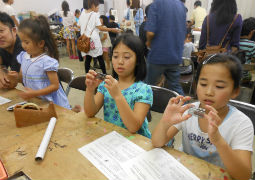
(109,152)
(157,164)
(46,139)
(4,100)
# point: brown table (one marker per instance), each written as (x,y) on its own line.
(18,146)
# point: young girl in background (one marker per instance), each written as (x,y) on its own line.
(69,30)
(39,64)
(105,40)
(224,135)
(126,99)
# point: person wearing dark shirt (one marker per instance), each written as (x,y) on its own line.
(166,32)
(142,32)
(112,24)
(10,47)
(221,15)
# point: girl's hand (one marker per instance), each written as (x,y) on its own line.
(173,113)
(91,81)
(213,124)
(112,85)
(28,94)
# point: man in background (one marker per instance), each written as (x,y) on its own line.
(198,15)
(166,32)
(10,48)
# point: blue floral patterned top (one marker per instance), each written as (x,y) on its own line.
(35,77)
(137,92)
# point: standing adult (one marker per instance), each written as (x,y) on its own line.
(7,8)
(10,47)
(128,20)
(90,25)
(69,31)
(166,30)
(222,14)
(198,15)
(138,18)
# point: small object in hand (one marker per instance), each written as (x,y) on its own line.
(100,76)
(197,112)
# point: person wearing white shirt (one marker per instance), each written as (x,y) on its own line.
(7,8)
(198,15)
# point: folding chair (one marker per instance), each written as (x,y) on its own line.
(246,108)
(161,97)
(65,75)
(188,77)
(78,83)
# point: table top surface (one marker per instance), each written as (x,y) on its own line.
(18,146)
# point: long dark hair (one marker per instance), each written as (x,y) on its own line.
(225,10)
(135,44)
(65,7)
(38,29)
(105,20)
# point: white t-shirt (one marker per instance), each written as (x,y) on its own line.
(198,15)
(189,47)
(91,31)
(68,20)
(236,129)
(8,9)
(107,42)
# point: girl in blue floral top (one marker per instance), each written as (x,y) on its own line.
(39,64)
(126,99)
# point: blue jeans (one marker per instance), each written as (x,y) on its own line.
(170,71)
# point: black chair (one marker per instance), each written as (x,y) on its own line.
(187,73)
(65,75)
(78,83)
(246,108)
(161,97)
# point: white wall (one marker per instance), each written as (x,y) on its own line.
(44,6)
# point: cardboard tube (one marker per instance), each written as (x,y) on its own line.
(46,139)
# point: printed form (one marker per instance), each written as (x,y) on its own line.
(157,164)
(109,152)
(120,159)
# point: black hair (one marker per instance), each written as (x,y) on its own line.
(229,61)
(38,29)
(105,20)
(147,10)
(65,7)
(111,17)
(135,44)
(5,1)
(77,11)
(6,20)
(110,11)
(128,2)
(198,3)
(183,1)
(86,4)
(93,2)
(225,11)
(248,26)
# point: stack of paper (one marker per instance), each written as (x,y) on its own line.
(120,159)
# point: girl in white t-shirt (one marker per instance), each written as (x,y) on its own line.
(69,31)
(7,8)
(223,135)
(105,40)
(90,25)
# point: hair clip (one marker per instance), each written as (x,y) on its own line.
(199,112)
(208,59)
(100,76)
